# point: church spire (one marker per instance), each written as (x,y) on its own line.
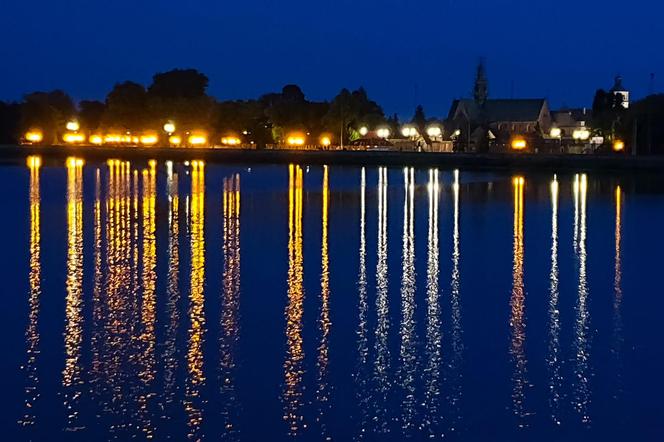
(481,90)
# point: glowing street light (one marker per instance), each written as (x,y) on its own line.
(325,141)
(230,141)
(96,139)
(555,132)
(73,138)
(295,140)
(434,131)
(34,136)
(175,140)
(73,125)
(148,139)
(197,139)
(409,131)
(364,131)
(519,144)
(581,134)
(618,146)
(169,127)
(383,132)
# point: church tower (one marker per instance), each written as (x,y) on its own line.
(481,89)
(619,89)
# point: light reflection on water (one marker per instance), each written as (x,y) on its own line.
(154,342)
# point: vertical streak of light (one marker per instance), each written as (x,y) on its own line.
(517,307)
(73,336)
(407,332)
(148,302)
(434,334)
(382,362)
(230,321)
(34,278)
(618,293)
(170,356)
(196,377)
(553,355)
(323,393)
(455,376)
(293,365)
(97,338)
(581,399)
(362,339)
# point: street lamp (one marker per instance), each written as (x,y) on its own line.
(408,131)
(618,146)
(169,128)
(383,132)
(555,132)
(73,125)
(364,131)
(434,131)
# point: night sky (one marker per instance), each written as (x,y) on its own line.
(402,52)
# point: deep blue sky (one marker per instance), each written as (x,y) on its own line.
(402,52)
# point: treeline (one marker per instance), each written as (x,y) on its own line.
(180,96)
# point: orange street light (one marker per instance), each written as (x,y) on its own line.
(519,144)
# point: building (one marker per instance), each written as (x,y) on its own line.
(619,89)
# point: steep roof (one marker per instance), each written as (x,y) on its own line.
(501,109)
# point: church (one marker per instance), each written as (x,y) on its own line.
(484,124)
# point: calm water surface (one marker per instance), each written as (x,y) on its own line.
(174,301)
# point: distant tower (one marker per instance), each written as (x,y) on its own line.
(619,89)
(481,90)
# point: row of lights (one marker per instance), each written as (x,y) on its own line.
(407,131)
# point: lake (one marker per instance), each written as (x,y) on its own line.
(189,300)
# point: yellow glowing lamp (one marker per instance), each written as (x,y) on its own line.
(519,144)
(148,140)
(364,131)
(618,146)
(73,125)
(175,140)
(581,134)
(230,141)
(34,136)
(197,140)
(295,140)
(96,140)
(383,132)
(555,132)
(325,141)
(434,131)
(169,127)
(73,138)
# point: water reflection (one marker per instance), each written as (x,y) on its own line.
(72,381)
(382,351)
(455,369)
(407,331)
(195,375)
(618,294)
(433,322)
(517,315)
(293,369)
(230,320)
(362,373)
(323,390)
(581,380)
(171,354)
(34,294)
(147,337)
(553,354)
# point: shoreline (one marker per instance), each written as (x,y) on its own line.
(466,161)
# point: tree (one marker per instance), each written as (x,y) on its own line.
(10,118)
(90,113)
(348,110)
(178,84)
(180,95)
(608,114)
(126,107)
(48,111)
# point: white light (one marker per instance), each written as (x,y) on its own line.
(364,131)
(383,132)
(434,131)
(169,127)
(73,125)
(555,132)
